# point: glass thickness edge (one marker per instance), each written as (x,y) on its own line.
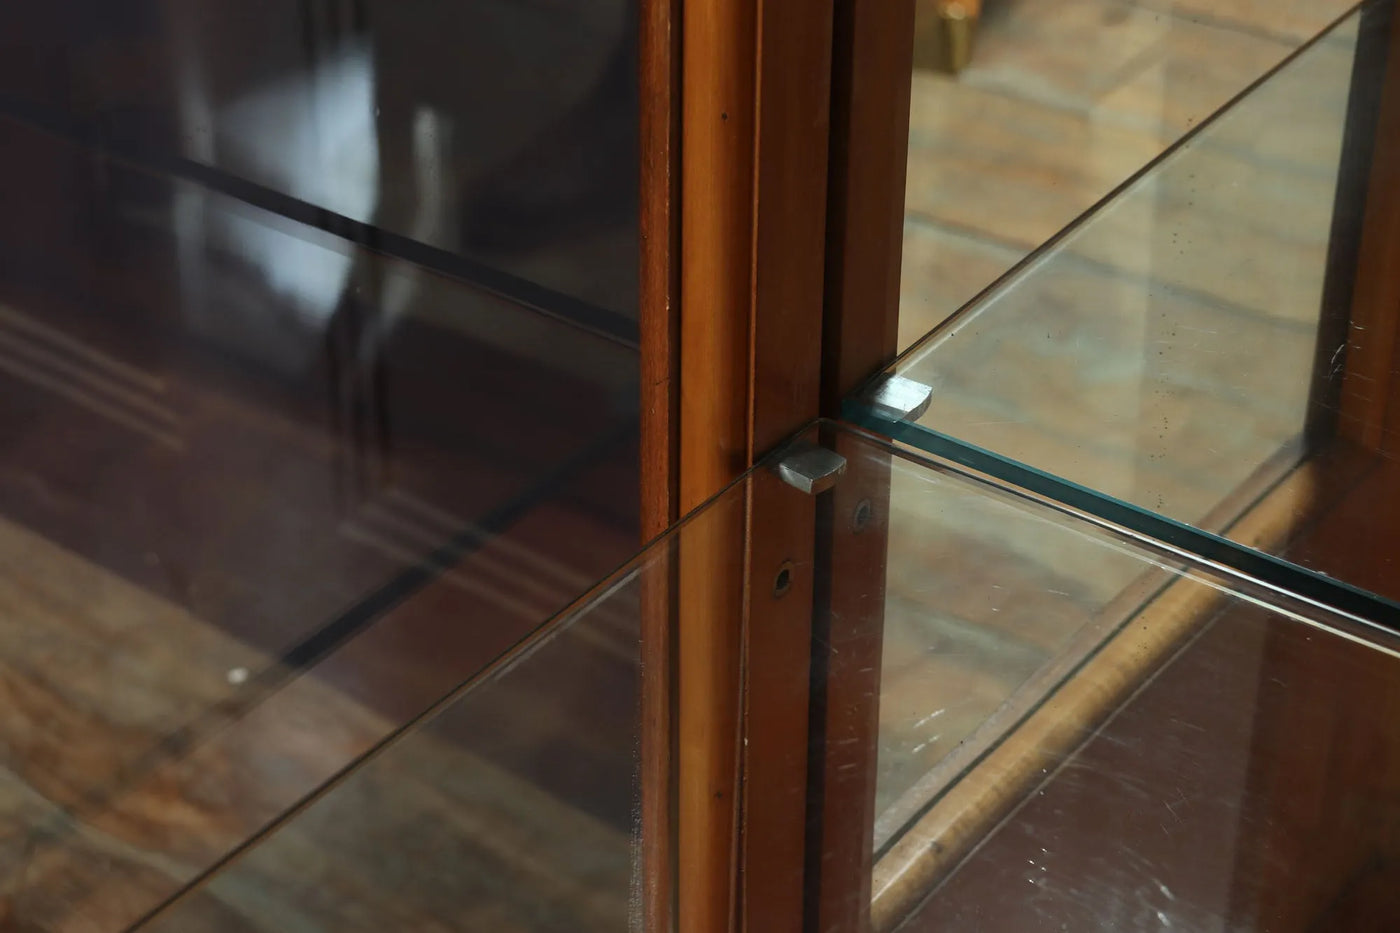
(539,636)
(1266,568)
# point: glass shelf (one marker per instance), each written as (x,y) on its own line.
(265,493)
(294,470)
(445,130)
(1070,721)
(1188,347)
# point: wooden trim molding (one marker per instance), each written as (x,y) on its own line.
(1370,396)
(753,133)
(850,622)
(872,80)
(659,319)
(756,314)
(659,247)
(872,76)
(717,125)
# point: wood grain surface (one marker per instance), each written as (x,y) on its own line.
(659,318)
(871,86)
(1370,395)
(753,142)
(962,814)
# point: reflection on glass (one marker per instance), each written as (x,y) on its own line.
(1058,102)
(496,131)
(1182,348)
(984,600)
(515,805)
(1080,730)
(282,461)
(1071,724)
(1249,784)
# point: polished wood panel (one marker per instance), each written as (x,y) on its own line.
(717,126)
(846,691)
(659,320)
(871,80)
(659,281)
(871,86)
(1370,399)
(717,145)
(1110,672)
(793,101)
(1324,789)
(753,140)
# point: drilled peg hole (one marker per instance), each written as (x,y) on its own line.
(860,518)
(783,581)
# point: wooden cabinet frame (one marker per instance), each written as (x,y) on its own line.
(774,147)
(774,136)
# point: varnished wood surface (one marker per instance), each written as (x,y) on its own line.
(1324,788)
(871,81)
(1113,664)
(1370,412)
(718,122)
(1061,102)
(660,258)
(1325,809)
(185,520)
(777,647)
(793,74)
(1251,784)
(872,62)
(717,189)
(755,98)
(659,295)
(789,218)
(847,678)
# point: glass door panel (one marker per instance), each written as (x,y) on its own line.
(318,391)
(1078,727)
(1072,722)
(1187,347)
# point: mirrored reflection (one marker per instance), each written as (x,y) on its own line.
(191,413)
(516,805)
(1066,722)
(1193,343)
(1074,729)
(985,604)
(499,131)
(1249,785)
(514,808)
(1026,112)
(281,461)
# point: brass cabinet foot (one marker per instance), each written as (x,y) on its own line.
(944,32)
